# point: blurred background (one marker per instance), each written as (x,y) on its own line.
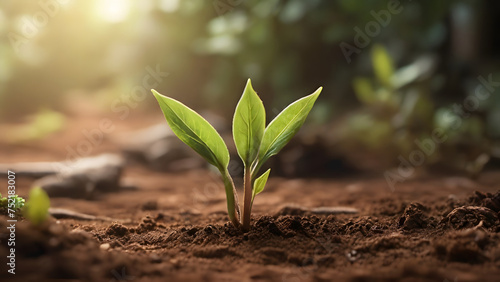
(399,77)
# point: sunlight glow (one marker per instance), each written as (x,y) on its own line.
(169,6)
(113,11)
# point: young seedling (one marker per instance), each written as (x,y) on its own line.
(36,209)
(12,202)
(255,142)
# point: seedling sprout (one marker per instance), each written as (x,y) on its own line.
(254,142)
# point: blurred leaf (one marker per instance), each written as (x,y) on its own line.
(44,123)
(419,68)
(476,166)
(382,65)
(364,91)
(37,208)
(194,131)
(444,118)
(48,121)
(293,11)
(416,108)
(386,96)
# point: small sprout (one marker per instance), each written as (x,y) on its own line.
(37,208)
(254,142)
(12,202)
(383,65)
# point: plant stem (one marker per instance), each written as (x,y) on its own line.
(233,206)
(255,169)
(247,204)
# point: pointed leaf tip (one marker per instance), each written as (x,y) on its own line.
(249,122)
(283,127)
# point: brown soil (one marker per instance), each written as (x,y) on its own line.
(175,228)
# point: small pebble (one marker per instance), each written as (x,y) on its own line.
(104,246)
(352,256)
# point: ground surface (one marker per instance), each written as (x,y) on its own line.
(175,228)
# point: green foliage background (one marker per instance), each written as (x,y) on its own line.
(210,48)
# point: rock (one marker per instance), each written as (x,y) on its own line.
(59,213)
(73,179)
(333,210)
(158,147)
(83,177)
(299,210)
(104,246)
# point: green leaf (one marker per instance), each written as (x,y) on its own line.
(18,201)
(37,208)
(260,183)
(279,132)
(249,123)
(364,91)
(382,64)
(195,131)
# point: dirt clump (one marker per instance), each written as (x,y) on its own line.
(414,217)
(404,236)
(471,216)
(488,200)
(117,230)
